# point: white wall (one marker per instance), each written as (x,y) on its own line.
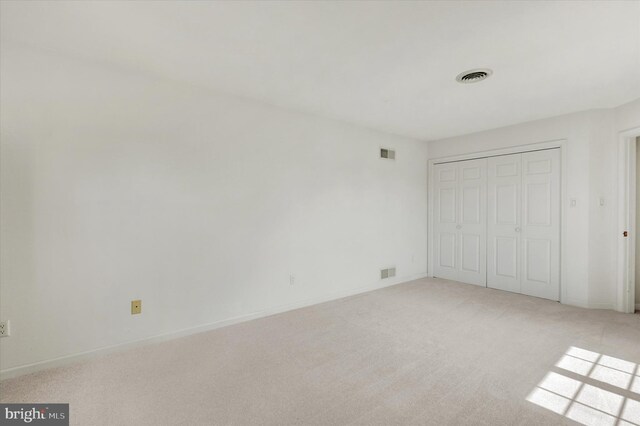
(117,186)
(591,230)
(627,116)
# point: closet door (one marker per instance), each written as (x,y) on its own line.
(472,221)
(445,221)
(504,219)
(541,224)
(460,221)
(523,229)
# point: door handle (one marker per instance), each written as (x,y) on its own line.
(517,229)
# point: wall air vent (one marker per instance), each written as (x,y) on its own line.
(474,76)
(387,273)
(389,154)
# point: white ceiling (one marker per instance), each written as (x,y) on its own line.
(386,65)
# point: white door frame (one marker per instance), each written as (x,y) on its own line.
(625,300)
(560,143)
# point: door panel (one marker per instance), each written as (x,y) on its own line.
(471,251)
(537,210)
(445,221)
(506,248)
(507,168)
(448,251)
(471,204)
(541,166)
(471,171)
(537,260)
(460,221)
(504,211)
(448,205)
(472,221)
(506,204)
(447,174)
(541,224)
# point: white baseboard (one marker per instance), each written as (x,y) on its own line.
(80,356)
(575,302)
(602,306)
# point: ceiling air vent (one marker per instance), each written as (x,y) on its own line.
(389,154)
(474,76)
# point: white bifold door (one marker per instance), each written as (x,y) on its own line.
(496,222)
(460,217)
(523,244)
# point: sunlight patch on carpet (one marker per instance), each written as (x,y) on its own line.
(592,389)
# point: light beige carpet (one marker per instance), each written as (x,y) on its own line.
(424,352)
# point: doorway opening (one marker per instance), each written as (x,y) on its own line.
(628,288)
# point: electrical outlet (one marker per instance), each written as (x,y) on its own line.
(292,279)
(4,329)
(136,307)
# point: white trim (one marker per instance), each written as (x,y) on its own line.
(576,302)
(608,306)
(518,149)
(626,219)
(430,174)
(86,355)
